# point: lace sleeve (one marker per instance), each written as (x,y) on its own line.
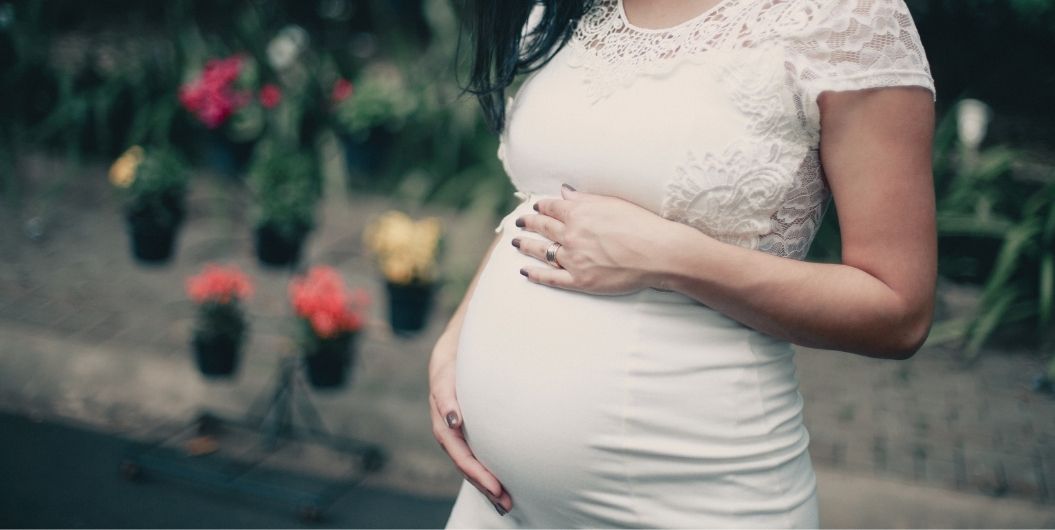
(856,44)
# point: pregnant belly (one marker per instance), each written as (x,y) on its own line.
(578,402)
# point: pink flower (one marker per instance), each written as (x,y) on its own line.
(321,298)
(270,96)
(211,97)
(342,90)
(219,284)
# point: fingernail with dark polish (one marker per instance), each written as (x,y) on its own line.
(452,418)
(535,206)
(516,242)
(499,509)
(520,222)
(524,272)
(568,186)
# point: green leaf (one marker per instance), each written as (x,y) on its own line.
(1046,290)
(971,225)
(948,331)
(1007,261)
(987,321)
(1048,236)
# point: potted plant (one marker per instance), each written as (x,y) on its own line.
(220,97)
(221,325)
(406,251)
(331,317)
(369,112)
(153,185)
(286,189)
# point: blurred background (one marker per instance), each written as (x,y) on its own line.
(232,231)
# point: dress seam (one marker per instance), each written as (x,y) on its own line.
(635,348)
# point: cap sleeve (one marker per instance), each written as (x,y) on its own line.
(856,44)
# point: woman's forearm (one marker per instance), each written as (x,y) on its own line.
(830,306)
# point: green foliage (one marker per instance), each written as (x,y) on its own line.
(286,188)
(158,189)
(221,321)
(995,227)
(381,98)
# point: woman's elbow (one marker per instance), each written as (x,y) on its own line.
(910,333)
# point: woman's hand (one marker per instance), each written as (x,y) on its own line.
(602,243)
(447,425)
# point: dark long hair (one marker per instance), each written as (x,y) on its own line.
(495,28)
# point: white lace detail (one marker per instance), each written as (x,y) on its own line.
(765,190)
(614,54)
(851,45)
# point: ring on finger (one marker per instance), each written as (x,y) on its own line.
(551,253)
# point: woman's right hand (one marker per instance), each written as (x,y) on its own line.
(447,425)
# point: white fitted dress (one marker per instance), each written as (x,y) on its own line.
(651,409)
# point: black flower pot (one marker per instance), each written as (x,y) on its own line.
(278,248)
(328,362)
(152,241)
(224,155)
(217,356)
(409,306)
(366,155)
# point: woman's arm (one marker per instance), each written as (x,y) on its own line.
(876,153)
(445,412)
(875,148)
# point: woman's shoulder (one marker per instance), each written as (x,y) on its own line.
(802,17)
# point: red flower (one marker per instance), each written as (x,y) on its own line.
(270,96)
(342,90)
(219,284)
(321,298)
(211,97)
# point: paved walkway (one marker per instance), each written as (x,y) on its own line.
(62,476)
(87,334)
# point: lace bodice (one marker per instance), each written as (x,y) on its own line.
(713,122)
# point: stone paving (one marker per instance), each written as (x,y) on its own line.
(87,333)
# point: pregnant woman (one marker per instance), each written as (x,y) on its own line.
(623,357)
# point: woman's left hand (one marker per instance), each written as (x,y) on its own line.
(605,242)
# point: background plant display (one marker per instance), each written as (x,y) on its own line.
(330,316)
(87,80)
(153,186)
(406,251)
(220,328)
(286,188)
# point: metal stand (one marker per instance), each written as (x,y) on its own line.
(270,424)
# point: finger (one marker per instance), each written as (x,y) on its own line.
(446,405)
(545,225)
(505,500)
(571,194)
(536,248)
(555,208)
(551,276)
(467,463)
(453,442)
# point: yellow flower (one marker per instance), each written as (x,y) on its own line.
(123,170)
(398,269)
(406,249)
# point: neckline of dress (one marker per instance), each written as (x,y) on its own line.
(621,10)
